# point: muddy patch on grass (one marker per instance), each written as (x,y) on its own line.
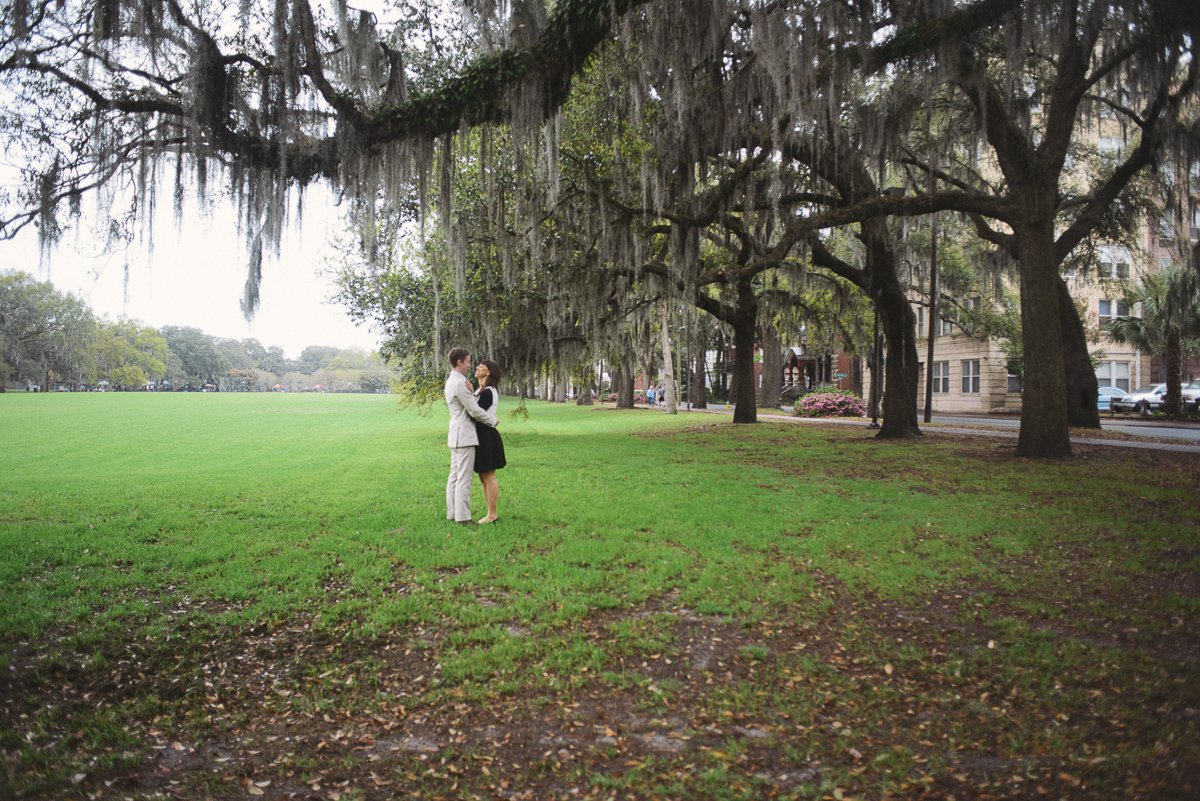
(864,689)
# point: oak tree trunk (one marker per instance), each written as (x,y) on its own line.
(770,392)
(1044,431)
(742,391)
(900,379)
(584,395)
(672,406)
(744,322)
(698,393)
(624,377)
(1082,387)
(899,325)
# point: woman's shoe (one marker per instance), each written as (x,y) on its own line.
(484,521)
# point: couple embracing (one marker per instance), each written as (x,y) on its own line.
(475,445)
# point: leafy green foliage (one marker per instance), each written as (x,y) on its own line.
(43,333)
(419,391)
(1169,323)
(1169,302)
(48,335)
(200,361)
(130,354)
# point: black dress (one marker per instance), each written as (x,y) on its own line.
(489,455)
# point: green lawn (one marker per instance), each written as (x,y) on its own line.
(229,595)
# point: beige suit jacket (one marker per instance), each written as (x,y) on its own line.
(464,407)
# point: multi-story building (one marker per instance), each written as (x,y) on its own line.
(970,375)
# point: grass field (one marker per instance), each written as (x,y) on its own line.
(222,596)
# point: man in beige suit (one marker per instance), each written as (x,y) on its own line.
(462,439)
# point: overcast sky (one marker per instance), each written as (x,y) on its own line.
(195,277)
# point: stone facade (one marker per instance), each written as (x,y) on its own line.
(970,376)
(1098,294)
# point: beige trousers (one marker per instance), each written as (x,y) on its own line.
(458,485)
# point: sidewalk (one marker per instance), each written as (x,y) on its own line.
(979,432)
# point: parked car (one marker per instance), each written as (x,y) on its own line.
(1107,396)
(1191,396)
(1142,401)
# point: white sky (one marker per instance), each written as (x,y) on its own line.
(195,277)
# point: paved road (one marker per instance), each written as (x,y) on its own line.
(982,423)
(1144,428)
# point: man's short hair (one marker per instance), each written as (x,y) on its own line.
(457,355)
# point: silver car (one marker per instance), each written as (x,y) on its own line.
(1191,397)
(1142,401)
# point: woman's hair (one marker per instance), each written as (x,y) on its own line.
(493,376)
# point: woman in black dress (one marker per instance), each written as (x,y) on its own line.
(489,454)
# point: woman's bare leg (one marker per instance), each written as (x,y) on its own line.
(491,494)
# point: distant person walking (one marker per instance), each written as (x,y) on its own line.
(462,438)
(489,455)
(650,395)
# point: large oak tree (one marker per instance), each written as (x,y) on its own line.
(117,90)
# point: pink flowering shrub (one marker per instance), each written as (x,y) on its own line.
(831,404)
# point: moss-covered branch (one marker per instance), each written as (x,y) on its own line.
(482,92)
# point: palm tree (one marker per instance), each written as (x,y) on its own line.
(1170,304)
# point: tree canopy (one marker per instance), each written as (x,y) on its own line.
(47,336)
(751,129)
(43,332)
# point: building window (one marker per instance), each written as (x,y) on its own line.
(1113,263)
(1113,374)
(1014,384)
(944,327)
(1166,231)
(1112,308)
(941,377)
(920,322)
(1109,269)
(970,376)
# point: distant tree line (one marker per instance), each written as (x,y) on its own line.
(50,337)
